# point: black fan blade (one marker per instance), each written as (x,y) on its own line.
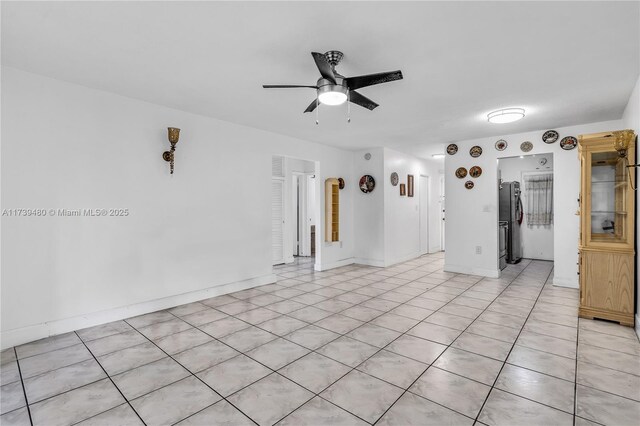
(363,101)
(285,86)
(324,67)
(354,83)
(312,106)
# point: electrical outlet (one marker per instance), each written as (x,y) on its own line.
(478,249)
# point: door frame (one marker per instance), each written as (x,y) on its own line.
(423,187)
(280,180)
(442,213)
(303,228)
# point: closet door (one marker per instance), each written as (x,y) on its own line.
(277,220)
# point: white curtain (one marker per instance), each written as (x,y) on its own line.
(539,195)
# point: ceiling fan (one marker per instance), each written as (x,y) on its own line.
(335,89)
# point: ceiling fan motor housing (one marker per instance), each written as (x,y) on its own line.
(334,57)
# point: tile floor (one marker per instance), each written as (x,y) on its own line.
(406,345)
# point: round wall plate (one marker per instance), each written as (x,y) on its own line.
(526,146)
(568,142)
(340,183)
(394,179)
(542,161)
(452,149)
(367,156)
(475,151)
(461,172)
(501,145)
(367,183)
(475,171)
(469,184)
(550,136)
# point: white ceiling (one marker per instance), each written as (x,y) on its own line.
(565,62)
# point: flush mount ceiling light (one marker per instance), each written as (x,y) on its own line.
(437,156)
(506,115)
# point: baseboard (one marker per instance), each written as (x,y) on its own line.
(461,269)
(434,250)
(637,327)
(27,334)
(565,282)
(369,262)
(331,265)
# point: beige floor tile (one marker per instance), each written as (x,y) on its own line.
(319,412)
(470,365)
(543,362)
(270,399)
(445,388)
(606,408)
(362,395)
(413,410)
(506,409)
(548,390)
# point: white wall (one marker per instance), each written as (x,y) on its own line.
(369,208)
(387,226)
(402,214)
(66,146)
(537,240)
(472,215)
(631,120)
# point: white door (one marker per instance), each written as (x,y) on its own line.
(423,187)
(442,223)
(277,220)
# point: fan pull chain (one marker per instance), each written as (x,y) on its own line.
(349,107)
(317,112)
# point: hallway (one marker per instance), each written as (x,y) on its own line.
(409,344)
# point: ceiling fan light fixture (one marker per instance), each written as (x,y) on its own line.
(333,94)
(505,115)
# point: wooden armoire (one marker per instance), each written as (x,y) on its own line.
(606,250)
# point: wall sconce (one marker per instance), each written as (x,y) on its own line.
(622,141)
(174,135)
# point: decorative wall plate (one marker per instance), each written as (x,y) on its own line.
(468,184)
(475,151)
(394,179)
(475,171)
(452,149)
(542,161)
(367,183)
(501,145)
(461,172)
(550,136)
(526,146)
(367,156)
(340,183)
(568,142)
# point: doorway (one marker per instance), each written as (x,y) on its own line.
(423,186)
(526,222)
(293,209)
(303,204)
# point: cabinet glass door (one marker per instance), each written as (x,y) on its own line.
(608,197)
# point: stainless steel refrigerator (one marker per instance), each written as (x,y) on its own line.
(511,212)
